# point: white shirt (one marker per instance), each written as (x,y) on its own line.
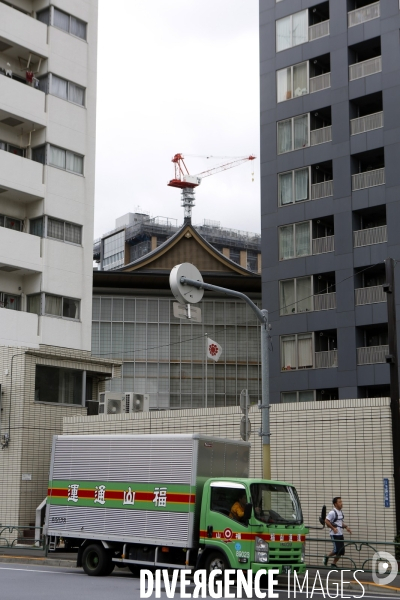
(338,521)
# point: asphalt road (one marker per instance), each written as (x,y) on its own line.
(18,581)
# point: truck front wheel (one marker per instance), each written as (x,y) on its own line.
(216,560)
(97,561)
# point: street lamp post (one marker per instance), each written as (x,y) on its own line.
(183,287)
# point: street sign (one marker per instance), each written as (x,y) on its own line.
(245,429)
(186,311)
(244,402)
(186,294)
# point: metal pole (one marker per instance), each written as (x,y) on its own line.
(206,394)
(262,316)
(392,359)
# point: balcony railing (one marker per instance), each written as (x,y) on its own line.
(319,30)
(321,82)
(365,68)
(325,301)
(321,190)
(367,123)
(372,355)
(361,181)
(368,237)
(366,13)
(323,245)
(326,360)
(370,295)
(320,136)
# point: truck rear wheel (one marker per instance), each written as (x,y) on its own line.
(216,560)
(97,561)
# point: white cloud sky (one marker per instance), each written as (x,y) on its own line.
(177,76)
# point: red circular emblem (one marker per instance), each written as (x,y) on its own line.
(213,349)
(228,534)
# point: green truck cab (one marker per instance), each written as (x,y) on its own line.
(270,534)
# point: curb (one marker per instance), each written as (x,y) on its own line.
(48,562)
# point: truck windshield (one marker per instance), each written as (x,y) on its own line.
(276,504)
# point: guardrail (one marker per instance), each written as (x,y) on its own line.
(367,123)
(320,136)
(359,554)
(318,30)
(368,237)
(326,360)
(325,301)
(323,244)
(22,536)
(367,179)
(365,68)
(320,82)
(322,190)
(370,295)
(372,355)
(366,13)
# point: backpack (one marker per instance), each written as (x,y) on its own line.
(337,517)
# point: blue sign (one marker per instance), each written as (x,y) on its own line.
(386,494)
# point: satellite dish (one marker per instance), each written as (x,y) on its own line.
(185,294)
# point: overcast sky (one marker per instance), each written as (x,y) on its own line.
(177,76)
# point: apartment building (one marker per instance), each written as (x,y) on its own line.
(137,234)
(48,62)
(330,150)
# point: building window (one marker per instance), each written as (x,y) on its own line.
(296,296)
(56,229)
(297,351)
(64,21)
(11,223)
(56,86)
(114,250)
(293,134)
(292,82)
(55,306)
(12,149)
(292,30)
(295,240)
(10,301)
(58,157)
(59,386)
(303,396)
(294,186)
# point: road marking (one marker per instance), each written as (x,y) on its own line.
(35,571)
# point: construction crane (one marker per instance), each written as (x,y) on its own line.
(187,183)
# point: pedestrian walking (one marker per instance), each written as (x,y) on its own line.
(335,521)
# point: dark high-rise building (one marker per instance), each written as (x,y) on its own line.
(330,151)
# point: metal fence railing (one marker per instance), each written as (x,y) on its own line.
(366,13)
(367,179)
(370,236)
(320,82)
(325,301)
(370,295)
(323,244)
(359,554)
(321,136)
(365,68)
(22,536)
(322,190)
(372,355)
(318,30)
(367,123)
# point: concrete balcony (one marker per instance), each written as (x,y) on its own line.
(369,237)
(372,355)
(18,328)
(325,301)
(20,30)
(369,295)
(323,245)
(19,252)
(367,179)
(22,102)
(319,83)
(321,190)
(367,123)
(365,68)
(326,360)
(364,14)
(318,31)
(321,136)
(21,180)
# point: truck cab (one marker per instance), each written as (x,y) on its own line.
(251,524)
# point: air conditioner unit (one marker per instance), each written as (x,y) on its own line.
(136,402)
(111,403)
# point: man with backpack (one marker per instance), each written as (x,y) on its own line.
(335,522)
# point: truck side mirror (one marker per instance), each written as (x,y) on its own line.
(323,516)
(247,511)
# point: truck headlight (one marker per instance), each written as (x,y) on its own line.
(262,550)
